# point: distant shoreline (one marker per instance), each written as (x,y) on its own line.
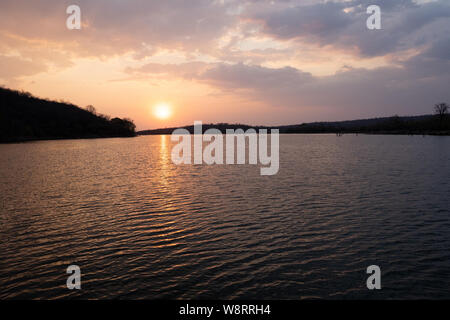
(410,125)
(25,118)
(388,133)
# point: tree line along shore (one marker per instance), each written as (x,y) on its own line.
(432,124)
(24,117)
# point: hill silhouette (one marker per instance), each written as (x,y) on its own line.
(24,117)
(425,124)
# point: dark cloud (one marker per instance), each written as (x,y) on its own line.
(439,50)
(387,90)
(405,24)
(141,26)
(240,76)
(320,22)
(410,87)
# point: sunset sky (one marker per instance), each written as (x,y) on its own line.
(245,61)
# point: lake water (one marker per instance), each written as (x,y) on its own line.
(141,227)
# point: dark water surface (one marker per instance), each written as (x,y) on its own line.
(141,227)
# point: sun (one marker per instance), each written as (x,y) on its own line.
(162,111)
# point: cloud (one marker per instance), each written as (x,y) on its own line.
(247,47)
(405,24)
(407,88)
(116,27)
(319,22)
(142,27)
(240,76)
(35,31)
(388,89)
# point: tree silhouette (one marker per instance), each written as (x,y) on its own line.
(24,117)
(90,108)
(441,110)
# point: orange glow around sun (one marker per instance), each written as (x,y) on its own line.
(162,111)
